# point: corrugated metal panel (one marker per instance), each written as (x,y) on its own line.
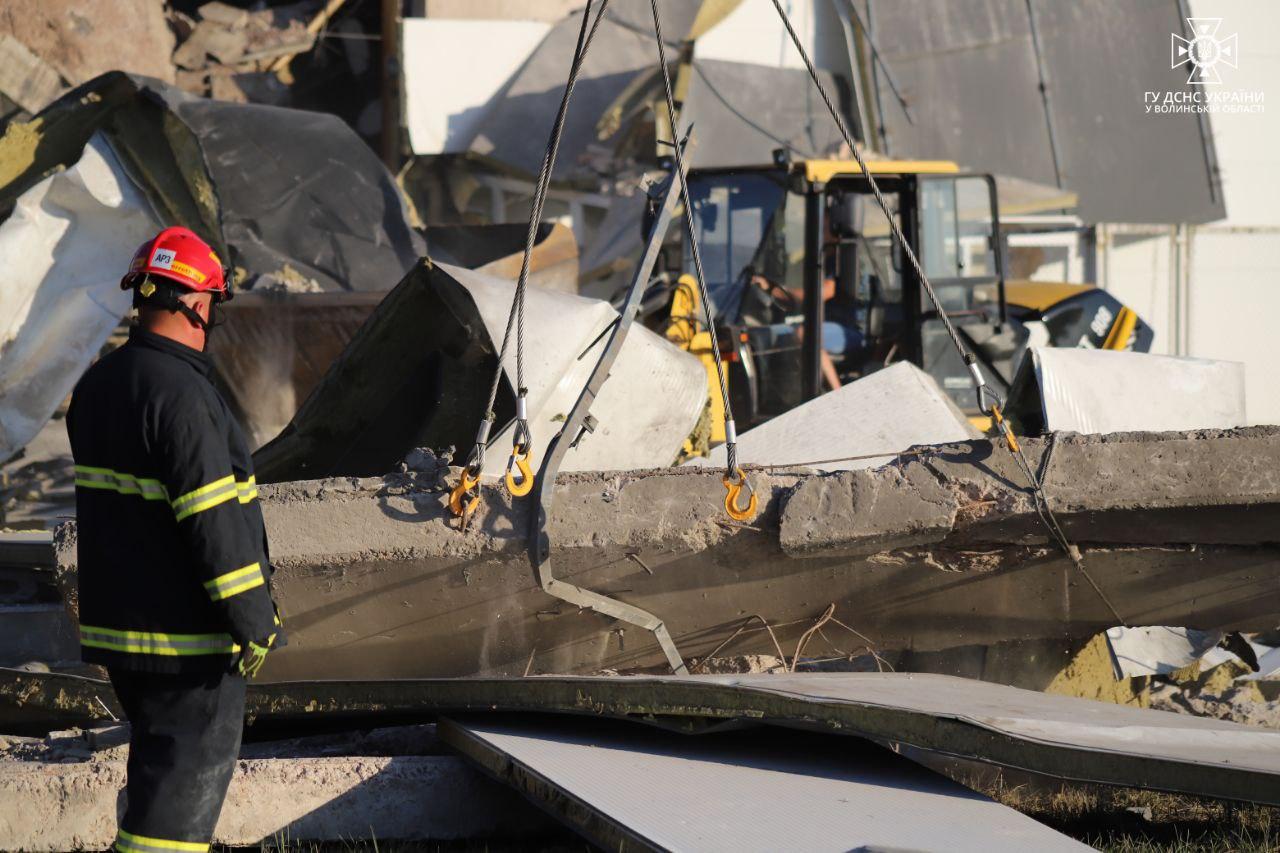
(969,71)
(629,787)
(735,126)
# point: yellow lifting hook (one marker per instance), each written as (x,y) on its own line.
(1004,427)
(736,512)
(520,456)
(463,491)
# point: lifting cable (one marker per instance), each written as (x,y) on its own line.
(464,499)
(735,481)
(993,408)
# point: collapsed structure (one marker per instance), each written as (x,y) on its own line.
(867,547)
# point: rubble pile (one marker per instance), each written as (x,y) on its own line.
(235,54)
(1228,691)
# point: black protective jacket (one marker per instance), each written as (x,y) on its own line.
(173,565)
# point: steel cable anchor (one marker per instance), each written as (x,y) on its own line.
(465,497)
(521,451)
(735,480)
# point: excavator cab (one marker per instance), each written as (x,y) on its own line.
(810,291)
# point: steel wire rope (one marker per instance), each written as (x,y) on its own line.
(1047,517)
(516,316)
(731,444)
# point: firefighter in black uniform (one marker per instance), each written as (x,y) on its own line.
(175,593)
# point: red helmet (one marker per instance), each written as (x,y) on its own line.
(178,255)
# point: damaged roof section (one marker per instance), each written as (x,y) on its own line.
(972,76)
(269,187)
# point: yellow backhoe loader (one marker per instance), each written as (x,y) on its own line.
(809,291)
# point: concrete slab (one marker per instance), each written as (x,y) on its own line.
(37,632)
(767,789)
(937,550)
(26,549)
(886,412)
(1060,389)
(1061,736)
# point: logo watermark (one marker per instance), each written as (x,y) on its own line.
(1204,54)
(1204,50)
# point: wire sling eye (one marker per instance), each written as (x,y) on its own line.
(520,459)
(732,500)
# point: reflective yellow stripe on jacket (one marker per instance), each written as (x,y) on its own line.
(130,843)
(205,497)
(234,583)
(197,500)
(125,484)
(153,643)
(215,493)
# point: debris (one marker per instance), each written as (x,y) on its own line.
(1239,704)
(64,246)
(60,805)
(268,187)
(229,46)
(1158,650)
(440,328)
(25,78)
(223,15)
(498,250)
(82,40)
(315,25)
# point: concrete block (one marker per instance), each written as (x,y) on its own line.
(37,632)
(861,512)
(886,412)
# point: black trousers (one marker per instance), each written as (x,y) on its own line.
(183,745)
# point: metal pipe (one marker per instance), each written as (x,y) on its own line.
(855,77)
(869,32)
(878,60)
(390,78)
(811,346)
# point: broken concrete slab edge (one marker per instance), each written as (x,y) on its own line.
(592,823)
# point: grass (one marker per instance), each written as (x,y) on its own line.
(1116,819)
